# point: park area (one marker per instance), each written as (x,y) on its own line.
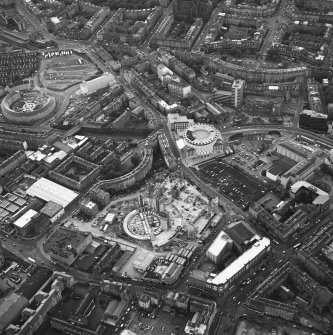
(61,72)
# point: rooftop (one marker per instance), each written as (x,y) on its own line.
(172,118)
(219,244)
(296,148)
(239,231)
(48,190)
(51,209)
(25,218)
(32,285)
(10,308)
(322,198)
(240,262)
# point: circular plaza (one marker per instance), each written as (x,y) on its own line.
(202,138)
(26,105)
(140,224)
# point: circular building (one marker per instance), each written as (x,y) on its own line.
(25,105)
(202,138)
(142,224)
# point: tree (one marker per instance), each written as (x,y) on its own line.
(235,52)
(272,55)
(115,164)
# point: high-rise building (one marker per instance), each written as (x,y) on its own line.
(237,90)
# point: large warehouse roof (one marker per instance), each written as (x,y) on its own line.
(50,191)
(25,218)
(240,262)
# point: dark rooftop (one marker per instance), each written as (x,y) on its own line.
(29,288)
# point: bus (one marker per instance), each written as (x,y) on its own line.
(31,260)
(296,245)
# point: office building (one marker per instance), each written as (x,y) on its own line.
(237,91)
(218,249)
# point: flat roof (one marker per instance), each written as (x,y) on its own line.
(279,168)
(51,209)
(48,190)
(10,308)
(322,198)
(55,20)
(25,218)
(240,262)
(177,118)
(33,284)
(180,143)
(297,149)
(220,242)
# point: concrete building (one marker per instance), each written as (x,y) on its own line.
(223,97)
(95,21)
(314,96)
(219,247)
(23,223)
(148,300)
(223,281)
(321,198)
(237,90)
(135,175)
(12,162)
(176,65)
(49,191)
(179,89)
(101,197)
(169,158)
(53,211)
(75,172)
(273,308)
(179,123)
(200,140)
(164,26)
(34,314)
(307,159)
(66,245)
(91,86)
(312,120)
(55,24)
(88,207)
